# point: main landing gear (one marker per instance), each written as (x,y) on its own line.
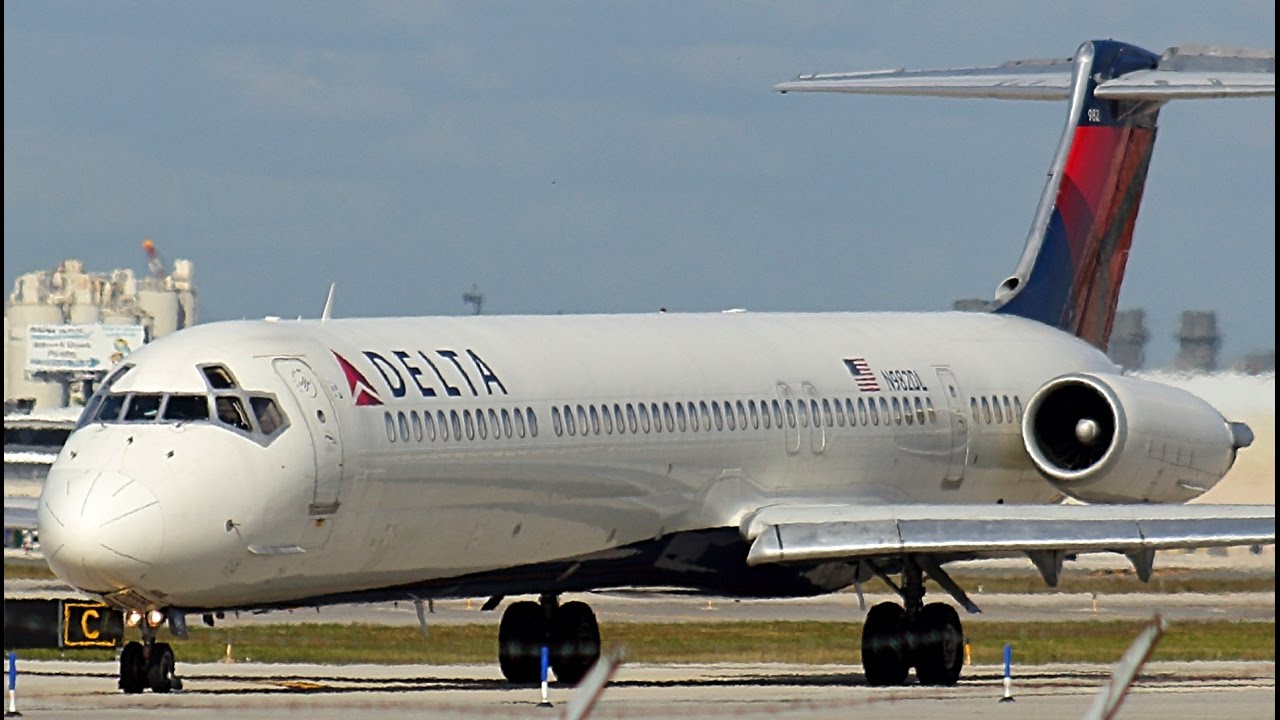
(147,664)
(569,632)
(896,638)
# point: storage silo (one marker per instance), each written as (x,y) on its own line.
(162,306)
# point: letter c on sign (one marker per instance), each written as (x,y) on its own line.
(84,625)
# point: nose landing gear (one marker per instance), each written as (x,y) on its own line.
(569,632)
(147,664)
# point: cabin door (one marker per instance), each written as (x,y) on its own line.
(958,458)
(321,421)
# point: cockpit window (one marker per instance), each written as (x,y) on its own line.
(268,414)
(231,412)
(109,411)
(143,407)
(219,377)
(187,407)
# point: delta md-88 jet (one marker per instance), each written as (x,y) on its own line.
(276,464)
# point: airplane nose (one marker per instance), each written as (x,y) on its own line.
(100,531)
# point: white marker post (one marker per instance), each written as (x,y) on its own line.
(545,663)
(13,686)
(1008,674)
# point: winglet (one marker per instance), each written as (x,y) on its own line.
(328,303)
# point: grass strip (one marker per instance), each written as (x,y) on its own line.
(674,643)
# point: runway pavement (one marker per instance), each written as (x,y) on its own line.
(1165,691)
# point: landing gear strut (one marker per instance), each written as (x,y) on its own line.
(147,664)
(569,632)
(896,638)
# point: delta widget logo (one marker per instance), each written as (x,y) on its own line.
(359,385)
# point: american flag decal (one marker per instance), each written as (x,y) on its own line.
(862,374)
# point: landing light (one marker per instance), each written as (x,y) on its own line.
(133,618)
(155,617)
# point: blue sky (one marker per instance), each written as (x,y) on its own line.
(600,157)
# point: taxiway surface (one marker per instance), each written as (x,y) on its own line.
(1165,691)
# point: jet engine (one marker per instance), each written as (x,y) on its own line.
(1117,439)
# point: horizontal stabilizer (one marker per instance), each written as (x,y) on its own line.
(1181,73)
(817,533)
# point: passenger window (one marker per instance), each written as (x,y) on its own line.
(482,428)
(884,410)
(231,412)
(802,409)
(495,426)
(219,377)
(755,417)
(595,421)
(791,413)
(570,427)
(875,415)
(443,423)
(862,411)
(681,422)
(632,424)
(826,413)
(1008,409)
(995,403)
(668,418)
(386,418)
(404,427)
(728,416)
(467,423)
(919,411)
(765,420)
(973,408)
(715,410)
(415,423)
(777,412)
(506,423)
(186,407)
(933,415)
(607,419)
(657,417)
(986,410)
(742,414)
(619,419)
(706,414)
(644,417)
(533,422)
(519,421)
(555,421)
(143,407)
(693,416)
(1017,407)
(582,421)
(456,422)
(907,407)
(430,429)
(839,413)
(270,419)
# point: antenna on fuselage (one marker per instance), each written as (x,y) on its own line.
(328,303)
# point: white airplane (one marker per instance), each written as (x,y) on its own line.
(259,465)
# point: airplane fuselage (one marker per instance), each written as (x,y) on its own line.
(420,449)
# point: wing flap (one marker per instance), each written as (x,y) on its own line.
(796,534)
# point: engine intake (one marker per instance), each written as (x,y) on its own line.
(1116,439)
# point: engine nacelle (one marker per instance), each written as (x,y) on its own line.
(1116,439)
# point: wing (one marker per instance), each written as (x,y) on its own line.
(1187,72)
(1045,533)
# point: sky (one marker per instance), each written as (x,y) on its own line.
(585,157)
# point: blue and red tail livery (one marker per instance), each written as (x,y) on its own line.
(1091,200)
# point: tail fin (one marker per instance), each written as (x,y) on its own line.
(1073,263)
